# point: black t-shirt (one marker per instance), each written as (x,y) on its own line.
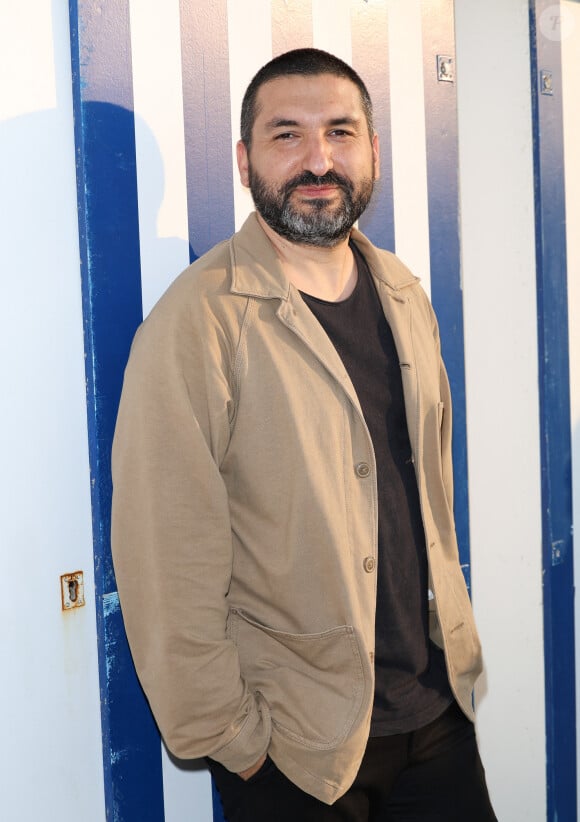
(411,687)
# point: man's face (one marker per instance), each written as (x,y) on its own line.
(312,163)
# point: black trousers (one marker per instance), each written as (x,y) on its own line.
(430,775)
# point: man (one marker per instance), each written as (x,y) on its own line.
(282,524)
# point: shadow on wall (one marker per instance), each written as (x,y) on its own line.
(42,327)
(120,228)
(125,205)
(38,258)
(129,265)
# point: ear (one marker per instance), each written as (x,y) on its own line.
(243,162)
(376,156)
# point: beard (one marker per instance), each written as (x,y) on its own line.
(316,222)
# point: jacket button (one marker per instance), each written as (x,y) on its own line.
(369,564)
(362,469)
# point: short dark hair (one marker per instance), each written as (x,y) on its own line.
(306,63)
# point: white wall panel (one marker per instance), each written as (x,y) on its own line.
(27,67)
(248,22)
(331,27)
(408,137)
(160,145)
(498,256)
(51,757)
(186,791)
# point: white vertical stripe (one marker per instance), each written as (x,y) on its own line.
(250,47)
(163,227)
(50,678)
(160,148)
(186,791)
(331,30)
(571,104)
(25,88)
(163,234)
(408,137)
(503,432)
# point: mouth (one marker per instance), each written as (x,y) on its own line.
(317,191)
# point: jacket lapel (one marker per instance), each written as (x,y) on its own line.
(398,311)
(295,315)
(257,272)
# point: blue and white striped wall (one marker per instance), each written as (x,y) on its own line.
(514,271)
(471,197)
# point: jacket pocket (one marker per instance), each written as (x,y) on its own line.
(312,683)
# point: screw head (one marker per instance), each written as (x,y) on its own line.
(445,68)
(546,82)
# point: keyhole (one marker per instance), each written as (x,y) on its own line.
(73,590)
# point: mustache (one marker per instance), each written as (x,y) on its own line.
(307,178)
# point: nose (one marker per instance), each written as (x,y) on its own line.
(317,155)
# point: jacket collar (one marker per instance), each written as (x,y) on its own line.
(256,270)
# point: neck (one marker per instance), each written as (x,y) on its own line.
(327,273)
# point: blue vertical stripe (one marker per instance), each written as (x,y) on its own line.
(207,123)
(555,439)
(111,292)
(218,814)
(443,193)
(370,58)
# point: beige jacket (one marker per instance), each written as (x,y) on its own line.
(245,516)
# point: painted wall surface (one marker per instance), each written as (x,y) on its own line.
(50,679)
(498,265)
(50,763)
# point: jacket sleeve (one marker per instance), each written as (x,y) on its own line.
(172,541)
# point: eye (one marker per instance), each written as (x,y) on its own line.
(285,135)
